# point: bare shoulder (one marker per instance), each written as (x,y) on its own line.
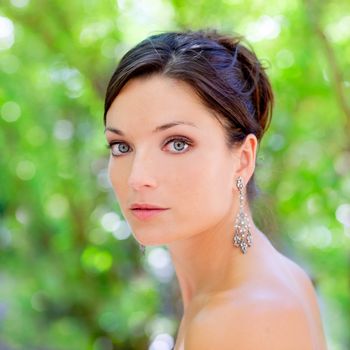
(279,310)
(305,288)
(267,322)
(299,274)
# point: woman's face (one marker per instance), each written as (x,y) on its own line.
(186,168)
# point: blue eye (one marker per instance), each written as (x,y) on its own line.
(114,147)
(119,148)
(178,142)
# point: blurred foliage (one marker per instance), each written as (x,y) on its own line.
(71,275)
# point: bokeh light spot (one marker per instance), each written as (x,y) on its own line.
(96,260)
(265,27)
(343,214)
(25,170)
(20,3)
(63,130)
(159,325)
(7,33)
(315,236)
(10,111)
(160,263)
(162,341)
(110,221)
(22,216)
(123,231)
(93,32)
(56,206)
(103,179)
(284,59)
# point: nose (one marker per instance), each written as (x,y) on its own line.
(141,173)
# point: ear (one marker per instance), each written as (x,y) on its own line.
(246,157)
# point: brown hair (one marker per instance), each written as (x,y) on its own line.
(227,76)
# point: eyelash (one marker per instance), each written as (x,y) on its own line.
(177,138)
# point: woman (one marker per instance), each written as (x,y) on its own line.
(184,115)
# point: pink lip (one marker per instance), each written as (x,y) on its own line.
(143,214)
(145,206)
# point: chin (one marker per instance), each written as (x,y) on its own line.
(149,238)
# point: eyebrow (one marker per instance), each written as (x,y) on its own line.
(157,129)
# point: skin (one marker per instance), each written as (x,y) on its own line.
(220,286)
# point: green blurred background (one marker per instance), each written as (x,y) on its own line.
(71,274)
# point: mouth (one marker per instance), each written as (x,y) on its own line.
(143,214)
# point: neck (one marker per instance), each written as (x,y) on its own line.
(208,262)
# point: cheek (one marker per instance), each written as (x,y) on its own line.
(203,187)
(116,179)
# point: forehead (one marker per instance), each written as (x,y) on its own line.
(157,99)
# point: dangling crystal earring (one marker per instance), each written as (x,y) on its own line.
(242,237)
(142,248)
